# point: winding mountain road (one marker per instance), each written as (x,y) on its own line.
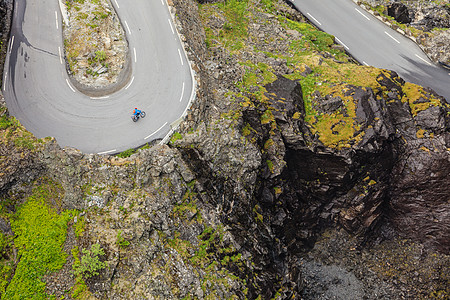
(39,92)
(373,43)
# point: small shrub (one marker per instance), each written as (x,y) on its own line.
(5,122)
(90,263)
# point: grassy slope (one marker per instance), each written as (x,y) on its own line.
(40,233)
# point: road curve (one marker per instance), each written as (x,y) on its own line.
(371,42)
(38,91)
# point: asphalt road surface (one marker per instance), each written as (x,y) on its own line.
(39,93)
(373,43)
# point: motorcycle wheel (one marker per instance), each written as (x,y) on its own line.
(142,114)
(135,118)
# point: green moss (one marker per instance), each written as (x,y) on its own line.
(211,257)
(40,234)
(312,38)
(120,241)
(175,137)
(413,93)
(6,261)
(80,226)
(5,122)
(269,143)
(259,217)
(80,289)
(270,165)
(234,32)
(267,117)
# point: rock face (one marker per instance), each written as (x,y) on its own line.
(5,19)
(399,12)
(287,180)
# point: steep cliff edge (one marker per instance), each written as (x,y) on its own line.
(297,174)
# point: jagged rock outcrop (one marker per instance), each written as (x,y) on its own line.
(274,156)
(399,12)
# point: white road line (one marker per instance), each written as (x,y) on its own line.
(366,64)
(109,151)
(12,43)
(96,98)
(181,57)
(128,85)
(117,4)
(60,56)
(362,14)
(340,42)
(4,81)
(392,37)
(423,60)
(56,15)
(135,57)
(162,2)
(128,28)
(182,93)
(171,27)
(67,80)
(314,19)
(155,131)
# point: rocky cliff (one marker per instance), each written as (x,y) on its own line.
(297,174)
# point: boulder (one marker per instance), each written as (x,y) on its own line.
(399,12)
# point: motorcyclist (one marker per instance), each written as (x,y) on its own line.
(136,112)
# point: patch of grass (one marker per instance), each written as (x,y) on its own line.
(5,122)
(40,234)
(234,32)
(316,39)
(121,241)
(100,56)
(126,153)
(413,94)
(175,137)
(80,289)
(80,226)
(6,262)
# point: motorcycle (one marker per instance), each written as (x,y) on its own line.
(137,116)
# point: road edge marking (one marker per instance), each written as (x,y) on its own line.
(12,43)
(182,93)
(128,85)
(362,14)
(73,90)
(392,37)
(422,59)
(106,152)
(314,19)
(128,28)
(340,42)
(155,131)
